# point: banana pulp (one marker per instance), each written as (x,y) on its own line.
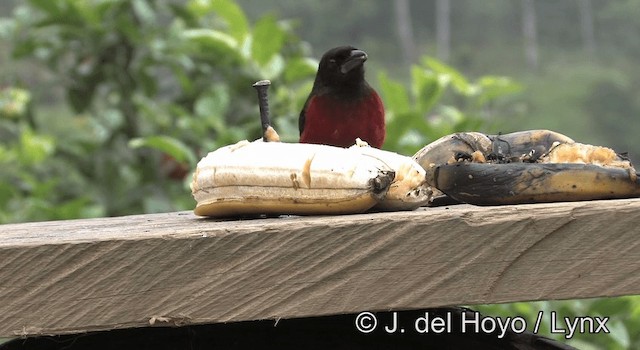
(253,178)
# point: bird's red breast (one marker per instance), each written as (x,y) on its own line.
(342,106)
(338,122)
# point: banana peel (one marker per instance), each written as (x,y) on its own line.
(525,167)
(254,178)
(519,183)
(481,147)
(505,147)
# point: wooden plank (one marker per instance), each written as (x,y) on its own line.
(82,275)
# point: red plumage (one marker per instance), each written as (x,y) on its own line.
(342,106)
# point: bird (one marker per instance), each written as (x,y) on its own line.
(342,106)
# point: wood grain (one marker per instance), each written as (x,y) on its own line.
(81,275)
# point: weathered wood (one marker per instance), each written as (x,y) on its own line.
(81,275)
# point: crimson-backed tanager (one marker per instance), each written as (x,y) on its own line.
(342,106)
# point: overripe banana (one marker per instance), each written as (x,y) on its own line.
(518,183)
(525,167)
(480,147)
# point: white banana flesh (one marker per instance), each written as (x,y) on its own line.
(251,178)
(409,189)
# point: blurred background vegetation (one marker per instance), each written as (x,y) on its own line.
(106,105)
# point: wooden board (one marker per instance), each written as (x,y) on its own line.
(82,275)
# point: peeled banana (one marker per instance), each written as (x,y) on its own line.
(253,178)
(525,167)
(409,188)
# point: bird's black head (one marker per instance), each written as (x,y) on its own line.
(342,67)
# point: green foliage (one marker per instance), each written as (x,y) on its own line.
(34,184)
(428,110)
(14,103)
(623,323)
(150,87)
(168,145)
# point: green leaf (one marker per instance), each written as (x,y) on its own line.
(213,103)
(235,18)
(228,11)
(143,11)
(300,69)
(130,28)
(274,68)
(459,82)
(35,148)
(24,48)
(268,39)
(47,6)
(181,12)
(451,115)
(619,333)
(213,44)
(80,98)
(84,13)
(14,103)
(394,94)
(427,88)
(169,145)
(492,87)
(72,208)
(147,80)
(610,306)
(211,37)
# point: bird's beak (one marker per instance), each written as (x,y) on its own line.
(355,59)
